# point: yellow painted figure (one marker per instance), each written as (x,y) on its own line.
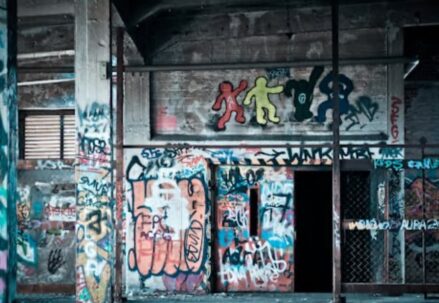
(264,107)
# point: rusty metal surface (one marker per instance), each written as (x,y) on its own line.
(119,165)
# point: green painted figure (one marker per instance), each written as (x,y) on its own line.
(264,107)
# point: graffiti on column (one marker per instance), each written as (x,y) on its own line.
(228,94)
(169,210)
(396,212)
(303,93)
(94,188)
(3,203)
(6,111)
(265,109)
(249,261)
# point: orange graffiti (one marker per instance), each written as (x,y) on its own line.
(169,232)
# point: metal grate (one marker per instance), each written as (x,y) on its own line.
(362,249)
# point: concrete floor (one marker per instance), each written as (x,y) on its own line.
(254,298)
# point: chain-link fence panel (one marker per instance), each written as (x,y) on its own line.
(391,223)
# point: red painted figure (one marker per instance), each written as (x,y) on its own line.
(229,95)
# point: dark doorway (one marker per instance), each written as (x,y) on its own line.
(313,220)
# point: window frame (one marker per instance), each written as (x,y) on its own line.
(23,113)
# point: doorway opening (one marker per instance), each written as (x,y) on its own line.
(313,225)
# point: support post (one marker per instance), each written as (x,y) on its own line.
(336,241)
(119,164)
(94,168)
(8,150)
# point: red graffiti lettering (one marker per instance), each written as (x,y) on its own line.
(394,116)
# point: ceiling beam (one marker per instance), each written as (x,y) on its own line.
(28,8)
(145,11)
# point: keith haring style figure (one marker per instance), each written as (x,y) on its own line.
(228,94)
(303,93)
(345,88)
(264,107)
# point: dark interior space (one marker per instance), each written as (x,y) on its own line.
(418,45)
(313,247)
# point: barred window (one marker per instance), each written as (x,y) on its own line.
(47,134)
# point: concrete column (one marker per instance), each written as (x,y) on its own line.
(94,167)
(8,149)
(396,105)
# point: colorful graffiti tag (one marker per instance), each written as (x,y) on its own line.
(254,246)
(421,200)
(3,205)
(278,101)
(394,118)
(167,223)
(46,218)
(228,94)
(93,193)
(303,93)
(169,209)
(8,110)
(265,109)
(346,86)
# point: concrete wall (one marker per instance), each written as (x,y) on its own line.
(241,105)
(422,112)
(291,103)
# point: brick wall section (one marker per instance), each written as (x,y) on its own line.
(422,112)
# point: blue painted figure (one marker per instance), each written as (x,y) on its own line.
(345,88)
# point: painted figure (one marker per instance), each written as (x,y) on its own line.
(228,94)
(264,107)
(303,93)
(345,88)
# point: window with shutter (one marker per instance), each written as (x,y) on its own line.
(47,134)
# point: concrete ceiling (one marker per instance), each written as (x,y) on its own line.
(145,19)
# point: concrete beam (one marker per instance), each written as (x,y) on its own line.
(28,8)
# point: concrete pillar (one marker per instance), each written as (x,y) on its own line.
(396,105)
(94,169)
(8,149)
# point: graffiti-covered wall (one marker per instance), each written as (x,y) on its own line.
(94,167)
(8,156)
(280,101)
(4,165)
(254,219)
(171,199)
(422,190)
(167,221)
(46,215)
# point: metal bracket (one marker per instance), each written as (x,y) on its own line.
(104,70)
